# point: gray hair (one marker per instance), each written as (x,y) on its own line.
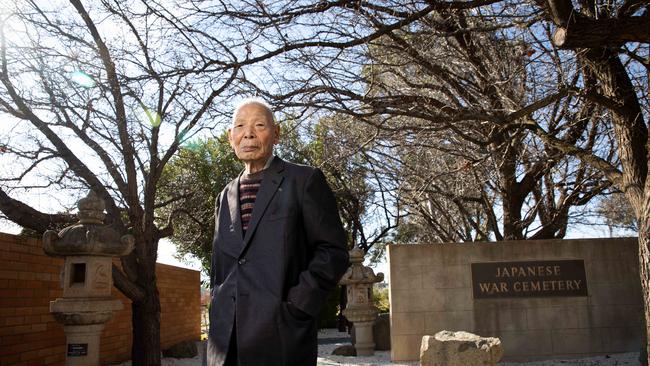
(253,100)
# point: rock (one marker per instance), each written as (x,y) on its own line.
(449,348)
(185,349)
(381,332)
(347,350)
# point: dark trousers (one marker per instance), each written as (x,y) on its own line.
(231,357)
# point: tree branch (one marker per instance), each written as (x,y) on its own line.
(592,33)
(128,288)
(613,174)
(28,217)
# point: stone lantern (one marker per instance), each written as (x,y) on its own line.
(360,308)
(88,248)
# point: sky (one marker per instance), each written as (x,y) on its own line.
(167,255)
(167,250)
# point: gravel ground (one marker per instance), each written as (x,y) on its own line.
(382,358)
(617,359)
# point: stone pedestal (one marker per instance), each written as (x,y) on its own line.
(88,248)
(360,308)
(365,344)
(82,346)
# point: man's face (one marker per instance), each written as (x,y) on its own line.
(253,135)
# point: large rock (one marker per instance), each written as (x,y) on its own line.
(186,349)
(347,350)
(381,332)
(448,348)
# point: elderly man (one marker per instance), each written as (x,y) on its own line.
(279,248)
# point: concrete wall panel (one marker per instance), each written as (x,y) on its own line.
(431,290)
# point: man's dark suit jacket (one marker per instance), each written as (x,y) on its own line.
(275,279)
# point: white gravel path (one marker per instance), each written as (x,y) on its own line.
(382,358)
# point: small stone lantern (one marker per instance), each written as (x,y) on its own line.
(88,248)
(360,308)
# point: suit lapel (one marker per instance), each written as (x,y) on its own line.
(233,204)
(269,186)
(234,246)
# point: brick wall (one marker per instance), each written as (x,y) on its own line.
(29,335)
(431,290)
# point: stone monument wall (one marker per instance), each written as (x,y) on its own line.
(531,294)
(29,335)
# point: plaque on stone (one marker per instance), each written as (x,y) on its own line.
(77,349)
(550,278)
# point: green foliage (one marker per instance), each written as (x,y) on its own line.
(328,317)
(407,233)
(192,180)
(380,297)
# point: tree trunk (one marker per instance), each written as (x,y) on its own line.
(146,318)
(593,33)
(511,216)
(146,331)
(510,192)
(644,272)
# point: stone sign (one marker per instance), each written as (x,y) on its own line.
(529,279)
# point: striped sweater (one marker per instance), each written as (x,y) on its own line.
(249,185)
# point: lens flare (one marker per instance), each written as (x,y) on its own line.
(192,145)
(186,143)
(151,117)
(82,79)
(181,137)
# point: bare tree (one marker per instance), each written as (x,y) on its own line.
(340,148)
(482,73)
(528,106)
(618,213)
(616,62)
(457,81)
(101,97)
